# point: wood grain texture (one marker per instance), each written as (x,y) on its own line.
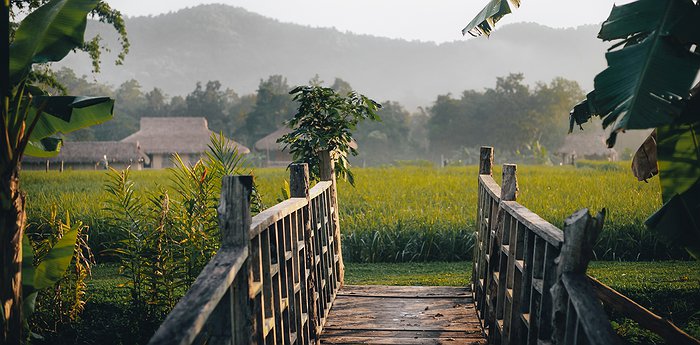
(402,315)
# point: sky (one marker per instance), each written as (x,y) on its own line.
(435,20)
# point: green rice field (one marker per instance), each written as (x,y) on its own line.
(411,213)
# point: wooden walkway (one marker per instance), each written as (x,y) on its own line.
(403,315)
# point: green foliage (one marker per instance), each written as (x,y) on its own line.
(163,242)
(510,116)
(99,9)
(647,84)
(55,269)
(486,20)
(413,201)
(324,122)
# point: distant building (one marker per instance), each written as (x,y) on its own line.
(161,137)
(275,154)
(586,146)
(82,155)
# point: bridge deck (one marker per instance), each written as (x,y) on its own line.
(402,315)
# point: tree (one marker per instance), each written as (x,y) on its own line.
(273,106)
(324,122)
(30,119)
(647,84)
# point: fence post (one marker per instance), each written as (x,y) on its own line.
(580,233)
(509,192)
(299,188)
(327,172)
(486,161)
(233,320)
(485,168)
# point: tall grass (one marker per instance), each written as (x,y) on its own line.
(416,213)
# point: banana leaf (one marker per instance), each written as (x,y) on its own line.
(64,114)
(48,34)
(44,148)
(53,265)
(648,80)
(485,21)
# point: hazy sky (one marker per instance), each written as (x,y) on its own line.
(435,20)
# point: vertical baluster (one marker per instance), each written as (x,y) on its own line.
(299,188)
(327,172)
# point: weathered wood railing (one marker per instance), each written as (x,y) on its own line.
(519,257)
(275,276)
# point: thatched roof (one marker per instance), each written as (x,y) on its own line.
(90,152)
(269,142)
(586,145)
(168,135)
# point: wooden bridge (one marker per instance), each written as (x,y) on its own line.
(278,278)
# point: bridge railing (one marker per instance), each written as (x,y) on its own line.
(519,257)
(275,276)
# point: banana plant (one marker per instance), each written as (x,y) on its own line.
(31,121)
(647,84)
(51,267)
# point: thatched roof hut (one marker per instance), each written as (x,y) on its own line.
(269,142)
(587,146)
(167,135)
(88,154)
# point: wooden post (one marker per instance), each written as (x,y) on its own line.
(509,184)
(509,192)
(486,161)
(299,188)
(327,172)
(580,233)
(61,170)
(47,165)
(233,319)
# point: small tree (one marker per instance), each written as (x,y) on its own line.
(324,122)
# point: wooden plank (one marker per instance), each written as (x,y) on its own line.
(491,187)
(534,222)
(405,291)
(379,315)
(319,188)
(589,310)
(627,307)
(271,215)
(190,314)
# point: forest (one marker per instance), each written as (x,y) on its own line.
(523,121)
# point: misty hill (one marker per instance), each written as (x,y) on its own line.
(218,42)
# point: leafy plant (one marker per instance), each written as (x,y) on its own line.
(30,120)
(47,285)
(324,121)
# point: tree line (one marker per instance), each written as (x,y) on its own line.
(512,116)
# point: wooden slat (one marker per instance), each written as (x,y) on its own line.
(189,316)
(319,188)
(491,187)
(532,221)
(270,216)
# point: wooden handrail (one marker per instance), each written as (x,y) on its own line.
(190,315)
(629,308)
(516,268)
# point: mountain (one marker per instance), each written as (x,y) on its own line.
(219,42)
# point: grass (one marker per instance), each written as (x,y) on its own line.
(413,213)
